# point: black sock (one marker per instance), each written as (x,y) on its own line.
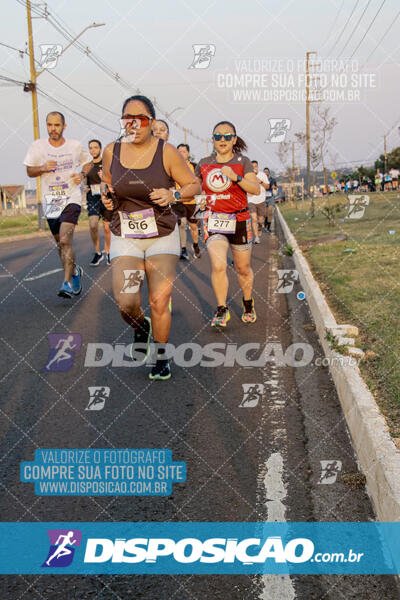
(161,352)
(248,305)
(142,331)
(195,244)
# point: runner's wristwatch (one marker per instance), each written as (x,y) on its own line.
(177,195)
(239,178)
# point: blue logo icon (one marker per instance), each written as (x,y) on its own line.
(62,351)
(62,547)
(301,296)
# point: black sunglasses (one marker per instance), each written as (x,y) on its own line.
(227,136)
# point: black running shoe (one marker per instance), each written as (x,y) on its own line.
(184,255)
(140,349)
(96,260)
(161,370)
(108,260)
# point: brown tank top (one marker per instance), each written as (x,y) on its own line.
(133,186)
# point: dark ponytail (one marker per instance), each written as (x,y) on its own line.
(240,145)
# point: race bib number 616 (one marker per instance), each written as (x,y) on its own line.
(138,224)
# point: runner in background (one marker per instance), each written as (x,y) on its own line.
(394,173)
(141,170)
(160,130)
(95,207)
(57,161)
(190,208)
(257,203)
(269,199)
(227,177)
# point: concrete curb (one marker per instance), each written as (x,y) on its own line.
(36,234)
(376,451)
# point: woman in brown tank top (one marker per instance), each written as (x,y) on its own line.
(140,171)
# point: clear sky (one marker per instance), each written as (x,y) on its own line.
(150,44)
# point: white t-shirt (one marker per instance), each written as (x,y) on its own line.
(394,173)
(58,188)
(258,198)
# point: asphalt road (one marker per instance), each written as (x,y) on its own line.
(246,461)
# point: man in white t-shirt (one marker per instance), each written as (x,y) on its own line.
(57,162)
(257,203)
(395,178)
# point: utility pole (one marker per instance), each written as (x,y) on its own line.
(35,112)
(308,101)
(184,134)
(293,165)
(31,87)
(385,152)
(206,147)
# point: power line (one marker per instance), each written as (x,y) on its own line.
(10,80)
(21,52)
(46,95)
(369,27)
(333,25)
(356,27)
(55,22)
(83,96)
(382,38)
(345,25)
(66,84)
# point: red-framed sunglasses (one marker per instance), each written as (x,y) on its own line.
(137,121)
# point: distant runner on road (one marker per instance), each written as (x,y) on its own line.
(227,177)
(95,207)
(57,161)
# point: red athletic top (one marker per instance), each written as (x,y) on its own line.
(229,196)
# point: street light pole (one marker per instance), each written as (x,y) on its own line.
(31,87)
(35,112)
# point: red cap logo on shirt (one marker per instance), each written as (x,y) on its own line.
(216,181)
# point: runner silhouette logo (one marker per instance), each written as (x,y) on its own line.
(203,54)
(216,181)
(62,547)
(252,394)
(287,279)
(63,347)
(98,396)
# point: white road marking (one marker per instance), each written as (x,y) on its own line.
(7,275)
(276,587)
(42,275)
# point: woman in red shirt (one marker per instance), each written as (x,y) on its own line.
(227,176)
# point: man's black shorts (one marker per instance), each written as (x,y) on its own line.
(95,206)
(70,214)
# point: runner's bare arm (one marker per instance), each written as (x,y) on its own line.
(49,166)
(249,183)
(106,175)
(177,168)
